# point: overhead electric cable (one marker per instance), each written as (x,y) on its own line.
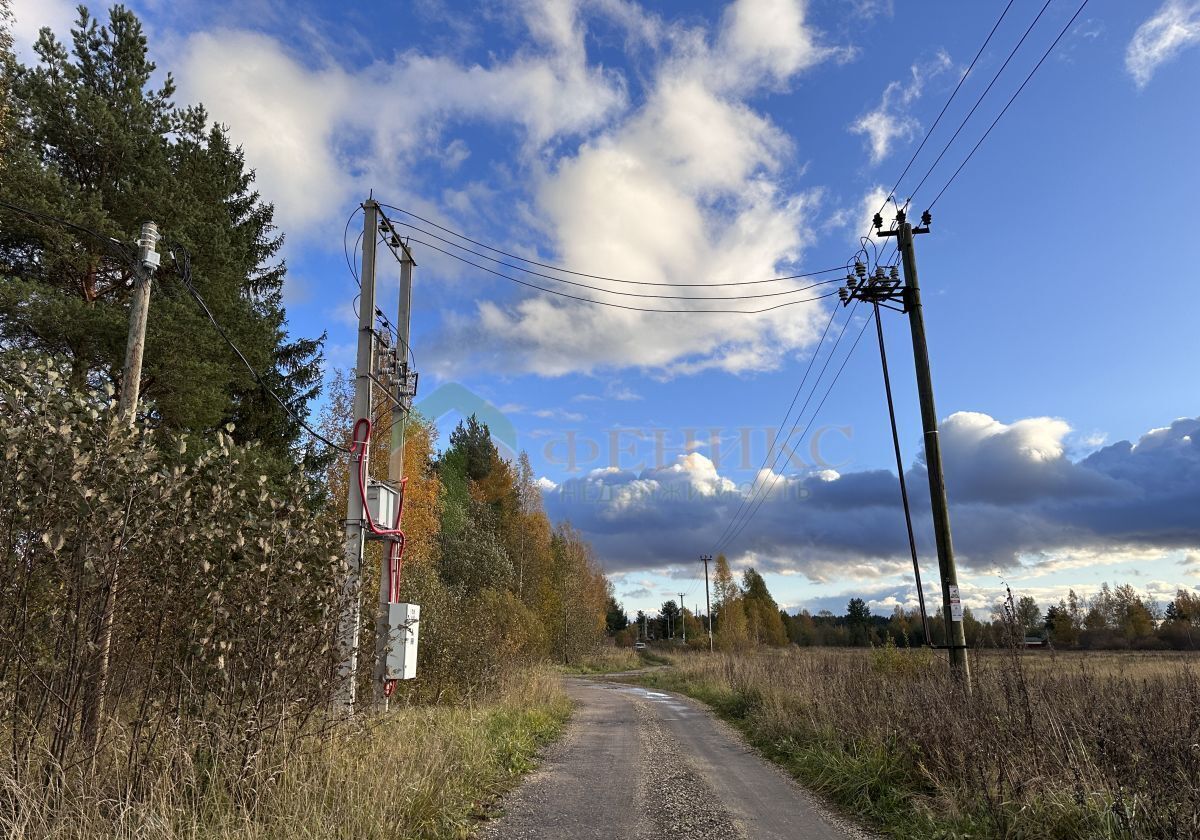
(953,94)
(812,420)
(186,277)
(795,396)
(563,270)
(638,294)
(756,490)
(621,305)
(113,244)
(1012,99)
(982,96)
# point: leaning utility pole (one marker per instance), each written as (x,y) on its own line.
(707,603)
(401,405)
(131,376)
(881,290)
(351,594)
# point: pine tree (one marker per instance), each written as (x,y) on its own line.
(92,142)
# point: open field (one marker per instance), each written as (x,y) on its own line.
(420,772)
(1046,746)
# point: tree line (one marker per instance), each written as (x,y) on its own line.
(170,592)
(745,614)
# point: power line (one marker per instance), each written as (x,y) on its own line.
(346,251)
(756,489)
(811,420)
(953,94)
(636,294)
(185,274)
(109,242)
(979,101)
(621,305)
(1045,55)
(795,396)
(563,270)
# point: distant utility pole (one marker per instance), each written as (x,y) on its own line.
(881,290)
(405,388)
(707,603)
(127,405)
(364,365)
(683,617)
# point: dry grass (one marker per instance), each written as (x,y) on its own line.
(419,772)
(606,660)
(1048,746)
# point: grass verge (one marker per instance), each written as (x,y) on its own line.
(1057,755)
(419,772)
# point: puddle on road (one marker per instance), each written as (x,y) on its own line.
(668,700)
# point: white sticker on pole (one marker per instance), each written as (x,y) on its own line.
(956,610)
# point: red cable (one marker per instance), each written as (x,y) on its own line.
(358,450)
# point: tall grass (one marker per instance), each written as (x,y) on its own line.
(1063,749)
(418,772)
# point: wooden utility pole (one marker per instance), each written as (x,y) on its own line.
(127,405)
(912,540)
(139,311)
(707,602)
(956,642)
(351,588)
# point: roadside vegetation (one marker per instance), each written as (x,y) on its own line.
(1047,746)
(170,593)
(424,772)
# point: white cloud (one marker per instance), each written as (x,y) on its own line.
(682,186)
(319,135)
(29,16)
(284,115)
(890,121)
(680,189)
(765,41)
(1175,26)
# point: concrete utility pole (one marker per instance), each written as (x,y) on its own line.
(881,289)
(707,602)
(351,588)
(683,617)
(395,474)
(127,404)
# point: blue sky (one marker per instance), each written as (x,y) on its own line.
(723,142)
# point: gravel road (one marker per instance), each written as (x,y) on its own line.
(636,764)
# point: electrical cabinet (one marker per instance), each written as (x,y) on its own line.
(382,500)
(404,624)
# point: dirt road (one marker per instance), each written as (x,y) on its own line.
(637,764)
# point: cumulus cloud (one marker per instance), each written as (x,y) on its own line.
(318,135)
(678,189)
(1018,503)
(890,120)
(1174,27)
(676,184)
(29,16)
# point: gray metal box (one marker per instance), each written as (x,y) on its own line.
(382,500)
(404,624)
